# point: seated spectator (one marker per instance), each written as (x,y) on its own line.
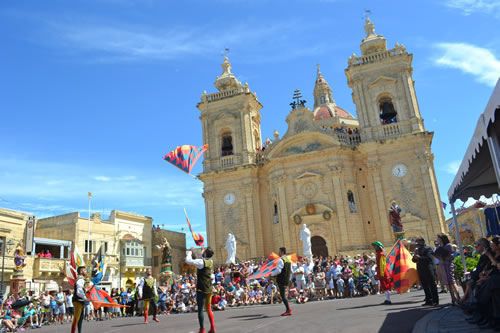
(221,306)
(363,283)
(487,312)
(270,292)
(302,297)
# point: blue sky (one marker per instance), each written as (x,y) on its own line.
(94,93)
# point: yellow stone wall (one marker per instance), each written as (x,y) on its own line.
(12,227)
(177,241)
(313,166)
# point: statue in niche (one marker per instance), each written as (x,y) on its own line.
(352,203)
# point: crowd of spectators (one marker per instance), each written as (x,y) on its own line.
(316,279)
(341,130)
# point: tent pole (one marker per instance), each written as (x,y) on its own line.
(494,148)
(459,240)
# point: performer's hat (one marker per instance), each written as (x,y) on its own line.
(379,244)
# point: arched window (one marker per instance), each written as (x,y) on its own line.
(322,98)
(227,144)
(352,203)
(387,112)
(275,215)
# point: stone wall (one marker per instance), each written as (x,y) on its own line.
(177,241)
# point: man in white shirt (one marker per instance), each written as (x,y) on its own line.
(282,273)
(204,288)
(299,273)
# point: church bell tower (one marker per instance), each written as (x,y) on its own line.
(383,89)
(231,123)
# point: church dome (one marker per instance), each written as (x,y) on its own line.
(323,113)
(341,113)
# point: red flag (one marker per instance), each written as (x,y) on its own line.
(198,239)
(100,298)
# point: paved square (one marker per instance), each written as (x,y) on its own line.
(349,315)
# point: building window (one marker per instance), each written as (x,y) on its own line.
(128,251)
(275,215)
(227,144)
(104,247)
(322,99)
(352,203)
(90,247)
(123,251)
(387,112)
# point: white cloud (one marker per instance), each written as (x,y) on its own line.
(452,167)
(117,42)
(469,7)
(470,59)
(46,188)
(102,178)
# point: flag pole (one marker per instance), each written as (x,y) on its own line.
(88,236)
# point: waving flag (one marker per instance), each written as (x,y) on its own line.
(185,157)
(269,266)
(100,298)
(198,239)
(76,260)
(403,271)
(98,266)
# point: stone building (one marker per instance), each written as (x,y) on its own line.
(124,237)
(177,241)
(334,172)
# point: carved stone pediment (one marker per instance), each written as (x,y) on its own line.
(301,143)
(308,175)
(382,81)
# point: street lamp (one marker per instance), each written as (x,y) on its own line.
(9,244)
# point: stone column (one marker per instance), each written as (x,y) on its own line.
(248,191)
(336,172)
(383,229)
(284,218)
(211,227)
(61,251)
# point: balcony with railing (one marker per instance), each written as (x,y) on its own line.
(228,161)
(48,267)
(390,130)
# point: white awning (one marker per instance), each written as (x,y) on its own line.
(478,173)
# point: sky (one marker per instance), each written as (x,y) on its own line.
(94,93)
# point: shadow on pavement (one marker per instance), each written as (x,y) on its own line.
(250,317)
(403,321)
(380,304)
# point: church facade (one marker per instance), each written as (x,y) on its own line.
(333,172)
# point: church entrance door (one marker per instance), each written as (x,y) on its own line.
(318,246)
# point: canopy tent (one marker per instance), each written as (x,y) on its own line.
(479,172)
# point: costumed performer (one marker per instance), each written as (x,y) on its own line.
(79,299)
(383,272)
(148,291)
(204,288)
(282,273)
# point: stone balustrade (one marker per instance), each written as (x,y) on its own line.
(377,56)
(391,130)
(227,161)
(223,94)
